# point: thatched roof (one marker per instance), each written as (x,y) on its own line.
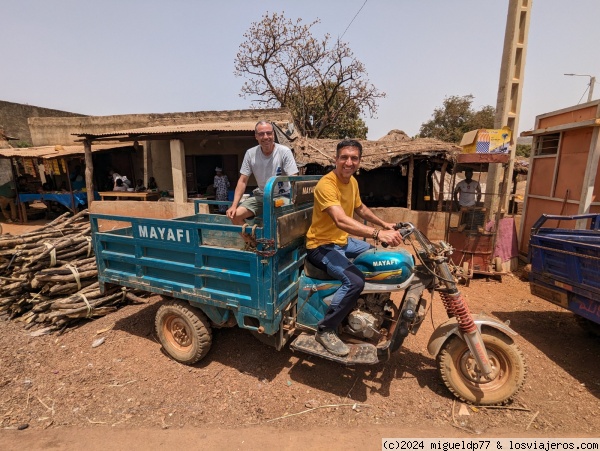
(521,165)
(388,151)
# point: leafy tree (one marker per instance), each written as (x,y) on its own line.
(455,118)
(320,82)
(348,124)
(523,150)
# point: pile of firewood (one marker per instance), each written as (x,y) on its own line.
(49,277)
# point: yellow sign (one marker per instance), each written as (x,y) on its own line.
(487,140)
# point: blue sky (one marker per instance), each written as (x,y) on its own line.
(151,56)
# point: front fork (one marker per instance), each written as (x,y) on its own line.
(456,307)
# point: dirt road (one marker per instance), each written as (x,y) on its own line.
(245,395)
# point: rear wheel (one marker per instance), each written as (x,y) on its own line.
(183,331)
(462,376)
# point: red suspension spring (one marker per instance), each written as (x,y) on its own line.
(457,307)
(447,304)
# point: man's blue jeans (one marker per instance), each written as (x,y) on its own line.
(335,260)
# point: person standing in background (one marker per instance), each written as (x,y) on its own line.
(467,192)
(221,184)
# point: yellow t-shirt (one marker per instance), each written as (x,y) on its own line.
(331,191)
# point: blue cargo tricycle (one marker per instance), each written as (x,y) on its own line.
(255,276)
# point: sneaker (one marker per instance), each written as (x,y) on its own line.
(9,221)
(332,343)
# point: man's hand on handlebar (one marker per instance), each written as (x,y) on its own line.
(390,237)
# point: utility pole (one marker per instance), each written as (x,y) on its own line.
(590,86)
(508,103)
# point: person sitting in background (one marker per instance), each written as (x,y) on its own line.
(22,185)
(77,180)
(7,199)
(139,186)
(126,182)
(115,176)
(119,185)
(152,183)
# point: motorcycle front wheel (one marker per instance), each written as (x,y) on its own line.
(463,378)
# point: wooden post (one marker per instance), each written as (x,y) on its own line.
(147,150)
(442,186)
(89,172)
(411,170)
(73,206)
(21,206)
(178,165)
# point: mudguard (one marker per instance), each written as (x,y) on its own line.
(450,327)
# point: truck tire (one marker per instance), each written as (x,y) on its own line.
(460,372)
(184,332)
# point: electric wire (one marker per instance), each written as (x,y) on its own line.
(356,15)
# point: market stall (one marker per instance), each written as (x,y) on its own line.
(483,239)
(49,180)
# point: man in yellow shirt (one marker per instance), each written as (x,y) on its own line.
(329,247)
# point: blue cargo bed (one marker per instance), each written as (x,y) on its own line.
(565,265)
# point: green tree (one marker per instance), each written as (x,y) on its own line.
(310,111)
(456,117)
(322,84)
(523,150)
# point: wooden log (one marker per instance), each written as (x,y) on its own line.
(67,278)
(68,288)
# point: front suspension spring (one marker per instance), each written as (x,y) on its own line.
(447,304)
(457,307)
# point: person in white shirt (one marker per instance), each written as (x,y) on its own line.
(467,192)
(264,161)
(119,185)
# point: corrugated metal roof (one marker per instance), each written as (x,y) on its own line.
(49,152)
(182,128)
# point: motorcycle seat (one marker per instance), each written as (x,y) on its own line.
(315,273)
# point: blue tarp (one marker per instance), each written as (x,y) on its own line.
(62,198)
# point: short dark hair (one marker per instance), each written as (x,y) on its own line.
(469,170)
(263,123)
(348,143)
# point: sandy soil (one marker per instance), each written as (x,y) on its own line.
(63,393)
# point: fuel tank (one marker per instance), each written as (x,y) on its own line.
(385,266)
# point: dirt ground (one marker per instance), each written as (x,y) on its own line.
(58,391)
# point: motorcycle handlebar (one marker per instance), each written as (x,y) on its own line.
(405,229)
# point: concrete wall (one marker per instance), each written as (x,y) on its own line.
(137,209)
(51,131)
(431,223)
(161,156)
(14,116)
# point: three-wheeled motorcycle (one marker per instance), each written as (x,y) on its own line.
(212,278)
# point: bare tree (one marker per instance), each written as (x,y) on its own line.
(322,84)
